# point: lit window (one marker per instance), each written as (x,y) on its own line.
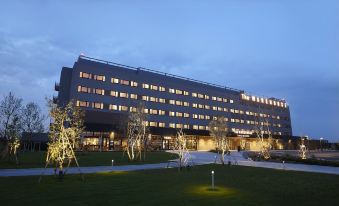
(200,106)
(207,97)
(133,109)
(224,100)
(97,105)
(186,93)
(179,103)
(186,115)
(99,91)
(201,96)
(115,80)
(232,110)
(186,126)
(162,89)
(153,87)
(171,125)
(231,101)
(123,108)
(145,86)
(195,127)
(134,84)
(225,109)
(85,75)
(171,101)
(214,108)
(201,127)
(171,114)
(114,93)
(178,126)
(225,119)
(161,124)
(201,116)
(124,82)
(194,94)
(146,111)
(153,99)
(99,77)
(207,117)
(161,112)
(178,114)
(214,98)
(171,90)
(113,107)
(82,104)
(178,91)
(207,107)
(195,116)
(161,100)
(153,124)
(195,105)
(153,111)
(219,99)
(186,104)
(123,95)
(134,96)
(145,98)
(84,89)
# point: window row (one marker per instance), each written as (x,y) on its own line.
(115,80)
(86,75)
(262,100)
(173,102)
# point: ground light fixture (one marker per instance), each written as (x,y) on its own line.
(112,163)
(212,173)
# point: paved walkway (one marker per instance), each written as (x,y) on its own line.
(199,158)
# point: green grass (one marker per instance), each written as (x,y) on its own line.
(236,185)
(37,159)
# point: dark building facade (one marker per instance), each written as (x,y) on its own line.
(108,92)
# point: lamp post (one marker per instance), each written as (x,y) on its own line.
(212,180)
(112,163)
(321,145)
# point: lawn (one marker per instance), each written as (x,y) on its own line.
(37,159)
(236,185)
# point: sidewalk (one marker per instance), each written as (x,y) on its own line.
(199,158)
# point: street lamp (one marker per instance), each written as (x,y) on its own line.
(112,163)
(321,145)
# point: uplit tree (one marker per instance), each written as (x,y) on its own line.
(137,131)
(10,125)
(219,130)
(32,121)
(181,148)
(303,150)
(65,129)
(262,130)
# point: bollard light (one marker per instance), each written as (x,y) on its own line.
(283,164)
(112,163)
(212,180)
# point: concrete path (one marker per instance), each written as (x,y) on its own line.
(199,158)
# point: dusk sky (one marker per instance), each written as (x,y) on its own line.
(277,48)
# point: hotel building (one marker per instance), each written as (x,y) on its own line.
(108,91)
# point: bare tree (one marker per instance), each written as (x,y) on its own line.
(10,125)
(65,130)
(136,132)
(32,121)
(262,130)
(303,150)
(181,148)
(219,130)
